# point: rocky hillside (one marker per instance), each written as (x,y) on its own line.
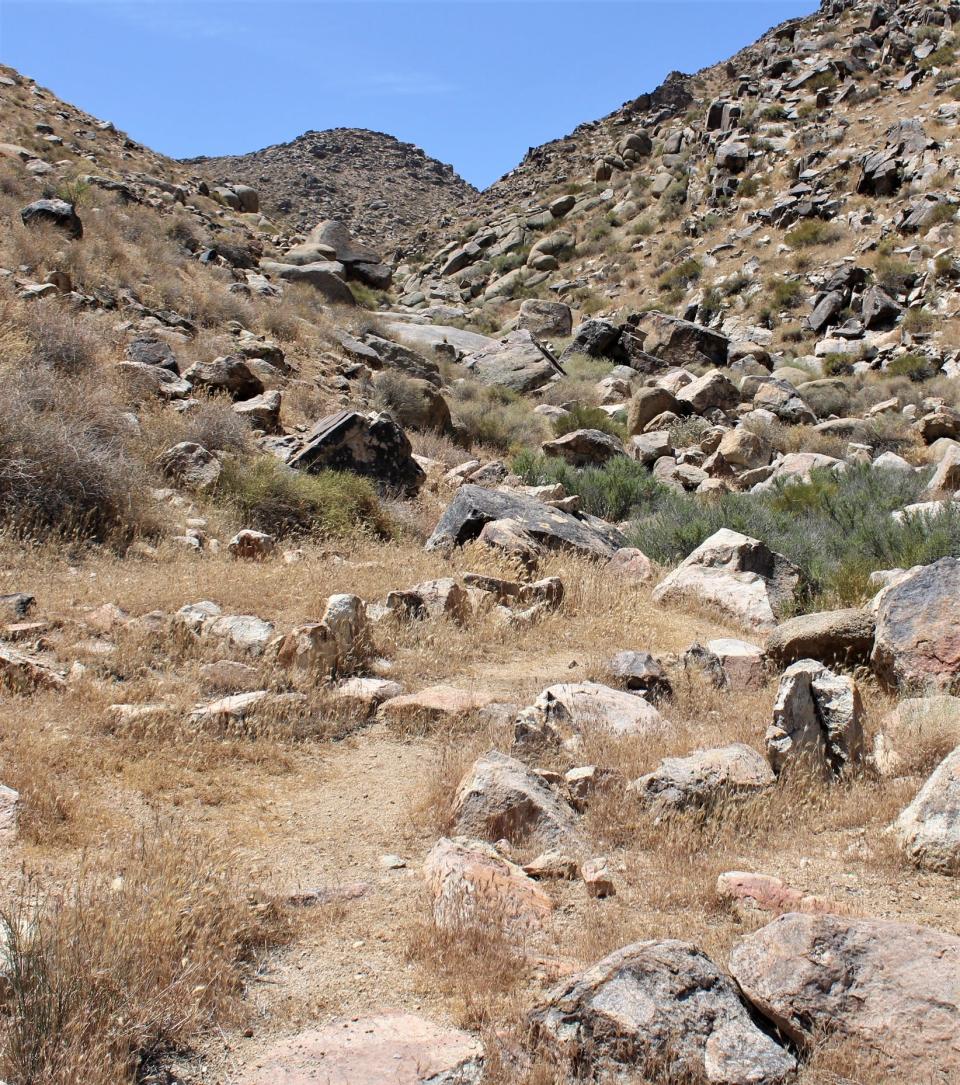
(386,191)
(530,657)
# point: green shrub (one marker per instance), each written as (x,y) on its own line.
(494,417)
(836,528)
(919,320)
(366,297)
(943,57)
(822,81)
(914,366)
(584,416)
(272,497)
(785,293)
(813,232)
(681,276)
(611,492)
(837,365)
(895,275)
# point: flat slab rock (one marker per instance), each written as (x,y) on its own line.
(892,986)
(473,507)
(589,706)
(660,1003)
(386,1049)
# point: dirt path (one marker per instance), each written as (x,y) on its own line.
(325,831)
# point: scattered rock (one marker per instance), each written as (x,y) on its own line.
(705,776)
(929,828)
(832,636)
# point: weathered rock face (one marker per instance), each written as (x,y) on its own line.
(828,636)
(325,276)
(501,798)
(702,777)
(422,406)
(817,720)
(584,447)
(659,1005)
(229,376)
(335,644)
(714,390)
(373,446)
(472,884)
(386,1049)
(577,708)
(917,642)
(893,987)
(546,319)
(518,362)
(681,343)
(473,507)
(191,465)
(929,828)
(738,575)
(56,213)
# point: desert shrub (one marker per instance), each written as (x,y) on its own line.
(748,187)
(838,365)
(813,232)
(510,261)
(365,296)
(913,366)
(611,492)
(919,320)
(58,339)
(272,497)
(685,273)
(785,293)
(896,276)
(585,416)
(494,417)
(65,463)
(642,227)
(836,528)
(822,81)
(112,973)
(774,113)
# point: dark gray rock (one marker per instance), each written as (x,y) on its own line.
(57,213)
(473,507)
(373,446)
(230,376)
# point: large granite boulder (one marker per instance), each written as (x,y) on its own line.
(680,342)
(370,445)
(518,362)
(584,447)
(658,1006)
(891,987)
(705,776)
(739,576)
(929,828)
(500,798)
(817,720)
(917,641)
(828,636)
(473,507)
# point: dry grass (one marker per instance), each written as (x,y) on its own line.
(142,951)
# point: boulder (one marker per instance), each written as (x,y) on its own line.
(712,391)
(730,663)
(500,798)
(817,720)
(23,674)
(890,987)
(472,884)
(57,213)
(142,381)
(928,830)
(917,639)
(230,376)
(325,276)
(828,636)
(370,445)
(640,672)
(658,1005)
(680,342)
(741,447)
(584,447)
(594,338)
(420,407)
(262,412)
(433,705)
(647,404)
(442,598)
(703,777)
(572,709)
(757,893)
(190,464)
(382,1049)
(474,507)
(517,362)
(252,545)
(740,576)
(546,319)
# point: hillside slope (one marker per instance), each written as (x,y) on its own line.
(383,189)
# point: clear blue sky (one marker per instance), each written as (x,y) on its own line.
(472,82)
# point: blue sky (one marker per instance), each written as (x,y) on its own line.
(472,82)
